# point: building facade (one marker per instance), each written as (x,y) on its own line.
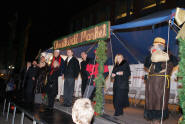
(119,11)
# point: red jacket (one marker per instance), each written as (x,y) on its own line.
(92,70)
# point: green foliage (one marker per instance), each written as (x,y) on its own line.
(99,80)
(182,74)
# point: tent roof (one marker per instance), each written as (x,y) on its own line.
(146,21)
(134,45)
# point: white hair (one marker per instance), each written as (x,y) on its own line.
(82,111)
(57,51)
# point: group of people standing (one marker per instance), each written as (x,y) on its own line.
(159,65)
(43,78)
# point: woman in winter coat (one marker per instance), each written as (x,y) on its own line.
(42,73)
(52,84)
(120,73)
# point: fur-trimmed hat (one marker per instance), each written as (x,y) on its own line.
(43,54)
(159,40)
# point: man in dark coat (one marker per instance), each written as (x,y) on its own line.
(53,77)
(23,76)
(30,83)
(83,72)
(72,69)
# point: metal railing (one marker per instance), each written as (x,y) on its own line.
(23,111)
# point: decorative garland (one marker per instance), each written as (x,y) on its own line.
(181,73)
(99,80)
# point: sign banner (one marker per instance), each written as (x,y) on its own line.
(88,35)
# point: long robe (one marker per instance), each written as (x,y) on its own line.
(155,84)
(30,84)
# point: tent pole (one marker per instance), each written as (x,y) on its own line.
(125,47)
(164,89)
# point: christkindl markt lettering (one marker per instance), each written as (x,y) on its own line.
(100,31)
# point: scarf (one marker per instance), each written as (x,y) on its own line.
(52,67)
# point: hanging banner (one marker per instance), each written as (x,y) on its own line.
(88,35)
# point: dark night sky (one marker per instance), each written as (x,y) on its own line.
(49,20)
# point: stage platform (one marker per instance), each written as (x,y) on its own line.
(103,119)
(134,114)
(41,114)
(62,115)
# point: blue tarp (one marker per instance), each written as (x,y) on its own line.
(134,44)
(155,18)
